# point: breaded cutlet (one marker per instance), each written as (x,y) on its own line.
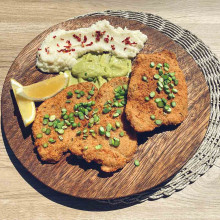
(111,158)
(148,94)
(53,106)
(86,140)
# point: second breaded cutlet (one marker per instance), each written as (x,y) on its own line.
(152,87)
(86,140)
(111,158)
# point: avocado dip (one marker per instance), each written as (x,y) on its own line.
(98,69)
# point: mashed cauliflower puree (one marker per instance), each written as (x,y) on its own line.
(60,50)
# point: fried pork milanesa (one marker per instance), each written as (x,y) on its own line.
(86,140)
(53,106)
(111,158)
(138,110)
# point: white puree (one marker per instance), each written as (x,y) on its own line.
(60,49)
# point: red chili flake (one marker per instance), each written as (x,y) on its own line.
(125,48)
(99,34)
(77,37)
(82,44)
(58,45)
(68,42)
(90,44)
(107,36)
(61,39)
(47,50)
(65,50)
(67,46)
(112,38)
(106,39)
(39,49)
(85,39)
(54,36)
(113,47)
(127,41)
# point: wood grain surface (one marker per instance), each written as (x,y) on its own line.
(22,21)
(161,153)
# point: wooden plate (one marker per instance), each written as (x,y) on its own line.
(165,151)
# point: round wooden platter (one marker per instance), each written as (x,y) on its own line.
(164,152)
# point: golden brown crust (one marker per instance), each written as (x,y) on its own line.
(138,111)
(53,106)
(110,157)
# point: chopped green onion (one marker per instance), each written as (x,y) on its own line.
(160,71)
(116,142)
(65,117)
(174,90)
(117,124)
(166,69)
(45,121)
(173,104)
(167,91)
(160,84)
(39,135)
(107,134)
(98,147)
(60,137)
(108,127)
(159,65)
(144,78)
(121,133)
(164,100)
(69,94)
(166,87)
(106,110)
(159,89)
(136,163)
(74,125)
(43,129)
(158,122)
(78,133)
(156,76)
(51,140)
(152,64)
(171,85)
(46,116)
(50,124)
(81,116)
(152,117)
(160,104)
(60,131)
(147,98)
(101,131)
(157,100)
(152,94)
(91,92)
(45,145)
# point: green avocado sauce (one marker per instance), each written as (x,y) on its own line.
(98,69)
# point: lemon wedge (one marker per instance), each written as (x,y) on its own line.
(45,89)
(26,107)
